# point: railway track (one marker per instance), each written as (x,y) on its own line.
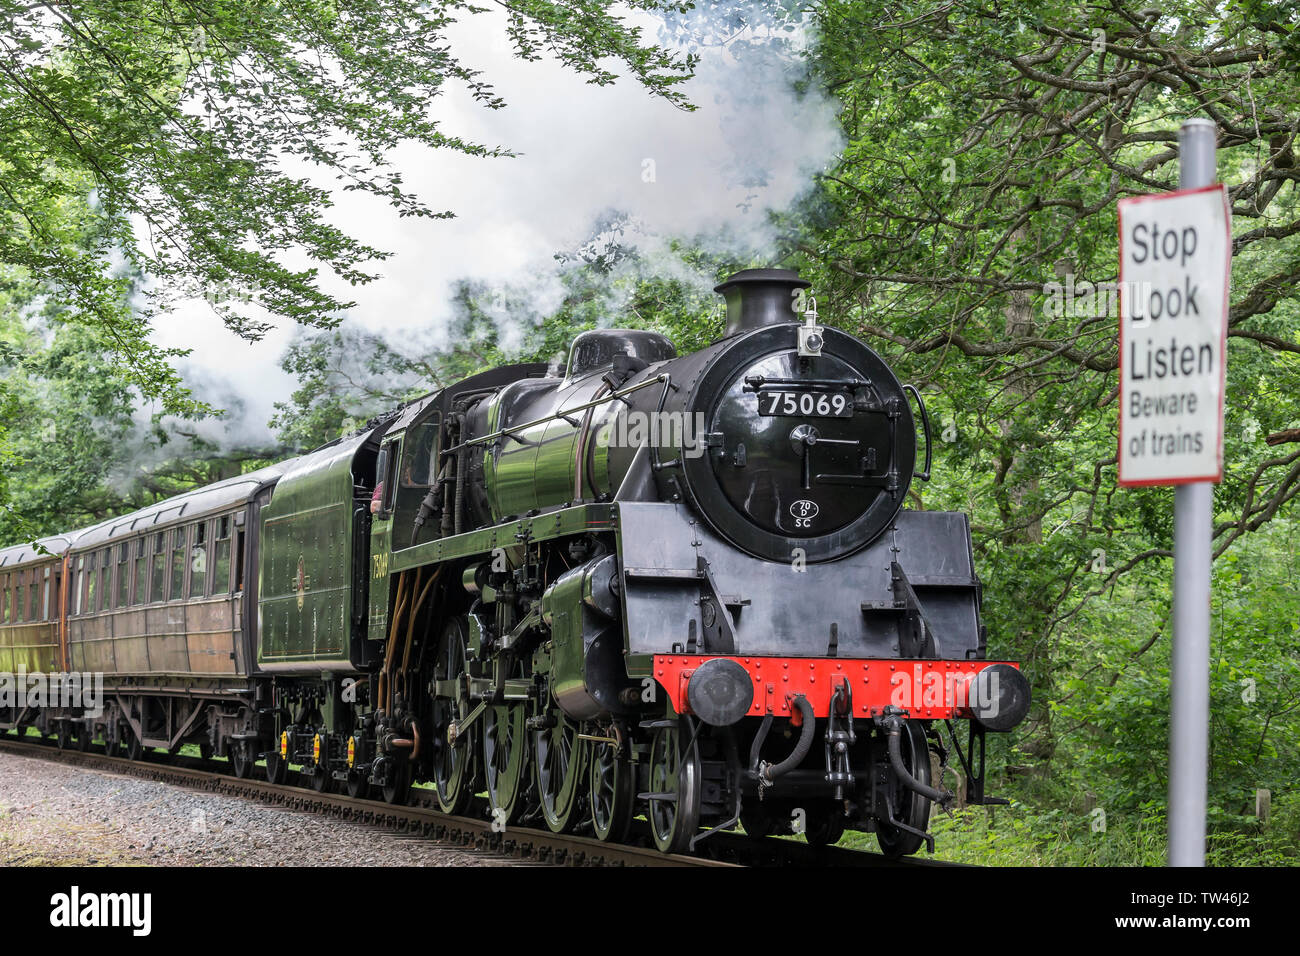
(422,820)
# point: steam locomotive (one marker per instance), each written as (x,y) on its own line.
(682,588)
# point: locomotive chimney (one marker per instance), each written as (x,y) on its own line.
(759,297)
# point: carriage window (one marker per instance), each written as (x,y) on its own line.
(18,597)
(141,572)
(90,584)
(199,560)
(4,589)
(105,579)
(123,577)
(158,575)
(81,585)
(178,564)
(221,557)
(45,600)
(239,561)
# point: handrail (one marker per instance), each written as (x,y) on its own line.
(502,432)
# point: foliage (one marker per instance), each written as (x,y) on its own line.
(74,446)
(177,126)
(986,148)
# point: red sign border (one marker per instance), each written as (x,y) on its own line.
(1223,364)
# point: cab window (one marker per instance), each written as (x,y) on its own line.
(387,470)
(417,458)
(419,473)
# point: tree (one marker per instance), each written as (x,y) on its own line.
(171,124)
(970,231)
(76,447)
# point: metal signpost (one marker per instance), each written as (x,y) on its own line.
(1175,255)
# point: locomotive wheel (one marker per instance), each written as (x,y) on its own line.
(825,825)
(84,737)
(319,778)
(505,759)
(358,785)
(242,759)
(765,819)
(453,764)
(134,748)
(611,792)
(277,769)
(398,788)
(64,737)
(912,808)
(674,812)
(558,761)
(113,746)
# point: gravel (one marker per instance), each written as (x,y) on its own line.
(57,815)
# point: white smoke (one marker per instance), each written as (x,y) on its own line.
(587,155)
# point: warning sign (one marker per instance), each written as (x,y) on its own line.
(1174,253)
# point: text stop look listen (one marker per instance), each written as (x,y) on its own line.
(1173,324)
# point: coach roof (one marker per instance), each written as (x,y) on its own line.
(191,504)
(19,554)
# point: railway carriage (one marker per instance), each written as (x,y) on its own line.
(677,588)
(159,602)
(31,578)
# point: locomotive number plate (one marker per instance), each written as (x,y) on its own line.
(805,404)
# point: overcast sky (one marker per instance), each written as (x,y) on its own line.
(751,146)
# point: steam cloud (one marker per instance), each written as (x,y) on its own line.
(588,155)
